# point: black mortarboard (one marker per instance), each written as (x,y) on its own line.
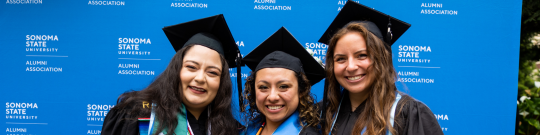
(282,50)
(212,32)
(387,28)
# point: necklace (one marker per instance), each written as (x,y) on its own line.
(260,129)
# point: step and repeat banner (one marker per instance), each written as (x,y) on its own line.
(65,62)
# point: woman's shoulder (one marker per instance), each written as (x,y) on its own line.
(415,118)
(120,122)
(123,118)
(310,130)
(408,104)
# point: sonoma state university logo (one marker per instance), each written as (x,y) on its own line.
(132,49)
(41,44)
(19,111)
(97,112)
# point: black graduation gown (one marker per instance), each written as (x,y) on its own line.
(119,122)
(310,131)
(198,126)
(414,119)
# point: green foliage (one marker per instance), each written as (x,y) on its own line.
(528,95)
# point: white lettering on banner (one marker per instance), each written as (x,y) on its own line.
(412,53)
(343,2)
(24,2)
(316,45)
(414,48)
(415,60)
(19,117)
(38,43)
(432,5)
(130,46)
(97,112)
(416,80)
(128,65)
(134,40)
(42,49)
(441,116)
(21,105)
(94,132)
(42,37)
(318,50)
(271,7)
(136,72)
(106,3)
(44,69)
(406,73)
(439,12)
(43,63)
(264,1)
(233,75)
(436,11)
(240,43)
(12,130)
(16,110)
(190,5)
(134,52)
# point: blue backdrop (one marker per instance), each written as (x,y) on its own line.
(65,62)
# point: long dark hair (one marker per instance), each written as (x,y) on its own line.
(165,93)
(308,111)
(376,114)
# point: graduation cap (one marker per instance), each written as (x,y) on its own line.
(385,27)
(282,50)
(212,32)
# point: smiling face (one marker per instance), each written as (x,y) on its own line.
(200,76)
(276,92)
(351,63)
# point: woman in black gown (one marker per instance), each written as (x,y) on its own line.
(360,92)
(193,94)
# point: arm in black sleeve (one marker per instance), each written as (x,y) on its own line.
(118,123)
(417,119)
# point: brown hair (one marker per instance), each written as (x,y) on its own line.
(165,92)
(308,111)
(381,93)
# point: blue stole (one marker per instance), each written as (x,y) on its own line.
(291,126)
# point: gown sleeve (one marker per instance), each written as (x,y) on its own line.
(417,119)
(309,131)
(119,123)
